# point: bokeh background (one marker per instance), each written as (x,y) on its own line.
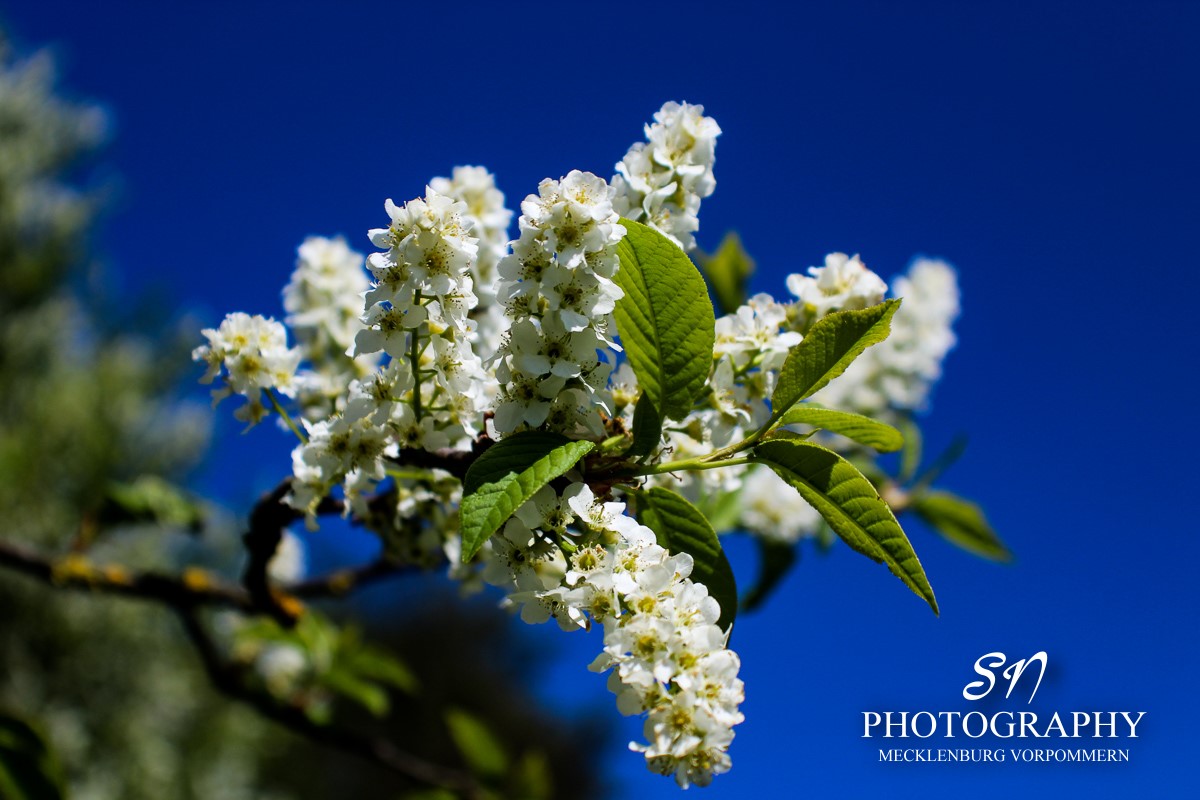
(1046,149)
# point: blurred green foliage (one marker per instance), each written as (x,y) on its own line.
(105,696)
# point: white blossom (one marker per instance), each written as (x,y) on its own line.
(661,181)
(899,372)
(754,336)
(418,312)
(324,298)
(324,301)
(559,295)
(428,251)
(489,219)
(667,655)
(349,449)
(843,284)
(251,354)
(774,510)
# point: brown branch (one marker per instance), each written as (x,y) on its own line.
(193,589)
(268,519)
(271,515)
(226,677)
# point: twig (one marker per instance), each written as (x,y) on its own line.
(456,462)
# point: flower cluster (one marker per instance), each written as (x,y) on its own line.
(843,284)
(324,297)
(418,313)
(251,354)
(772,510)
(750,347)
(667,654)
(349,447)
(661,181)
(488,217)
(461,337)
(422,279)
(559,295)
(898,373)
(324,301)
(429,394)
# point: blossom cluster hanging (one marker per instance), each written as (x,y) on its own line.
(563,415)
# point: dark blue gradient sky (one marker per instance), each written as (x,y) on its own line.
(1047,149)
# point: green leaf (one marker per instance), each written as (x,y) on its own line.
(681,528)
(371,696)
(665,320)
(647,428)
(962,523)
(379,665)
(431,794)
(723,510)
(910,456)
(728,272)
(150,499)
(29,769)
(784,433)
(531,777)
(863,430)
(826,539)
(775,560)
(943,462)
(828,348)
(506,475)
(484,754)
(851,506)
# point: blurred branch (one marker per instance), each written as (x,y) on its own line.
(344,581)
(268,519)
(226,677)
(195,588)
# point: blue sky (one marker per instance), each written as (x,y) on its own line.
(1047,149)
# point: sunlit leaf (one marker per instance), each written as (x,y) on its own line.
(506,475)
(665,319)
(850,505)
(828,348)
(856,427)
